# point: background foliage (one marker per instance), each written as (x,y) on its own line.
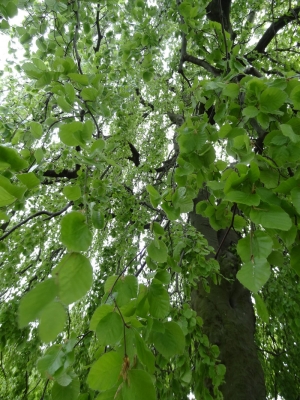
(113,117)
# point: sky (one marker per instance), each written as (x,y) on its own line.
(4,38)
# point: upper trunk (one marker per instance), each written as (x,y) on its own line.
(229,320)
(219,11)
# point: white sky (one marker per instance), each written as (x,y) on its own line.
(4,38)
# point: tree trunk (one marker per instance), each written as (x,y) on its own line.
(229,320)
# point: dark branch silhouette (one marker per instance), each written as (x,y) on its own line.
(270,33)
(37,214)
(65,173)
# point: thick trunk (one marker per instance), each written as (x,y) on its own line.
(229,321)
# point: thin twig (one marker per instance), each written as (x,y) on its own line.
(45,388)
(37,214)
(124,328)
(227,232)
(82,338)
(124,270)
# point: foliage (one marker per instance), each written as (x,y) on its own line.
(113,116)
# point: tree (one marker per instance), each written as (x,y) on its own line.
(150,197)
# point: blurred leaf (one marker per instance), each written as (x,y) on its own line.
(75,233)
(74,276)
(105,372)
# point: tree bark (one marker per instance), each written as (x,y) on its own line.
(229,320)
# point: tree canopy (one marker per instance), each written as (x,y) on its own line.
(149,200)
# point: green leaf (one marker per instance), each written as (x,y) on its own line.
(295,193)
(29,68)
(144,354)
(154,195)
(36,129)
(105,372)
(110,283)
(157,228)
(100,313)
(171,342)
(97,146)
(38,155)
(158,251)
(6,198)
(191,140)
(29,179)
(52,321)
(110,329)
(163,276)
(276,258)
(11,9)
(272,99)
(287,130)
(11,157)
(74,276)
(72,192)
(127,289)
(63,104)
(295,97)
(51,361)
(231,90)
(171,212)
(271,216)
(147,76)
(70,92)
(295,257)
(261,308)
(69,392)
(254,172)
(98,219)
(78,78)
(249,199)
(254,274)
(139,385)
(4,25)
(70,133)
(89,94)
(263,120)
(250,111)
(75,234)
(159,301)
(35,301)
(12,189)
(257,245)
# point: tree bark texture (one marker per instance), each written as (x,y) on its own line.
(229,320)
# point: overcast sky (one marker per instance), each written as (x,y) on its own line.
(4,38)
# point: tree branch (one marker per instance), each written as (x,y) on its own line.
(272,30)
(99,35)
(76,36)
(202,63)
(65,173)
(37,214)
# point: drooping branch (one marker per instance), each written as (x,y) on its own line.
(194,60)
(270,33)
(37,214)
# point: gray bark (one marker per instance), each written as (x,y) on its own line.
(229,320)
